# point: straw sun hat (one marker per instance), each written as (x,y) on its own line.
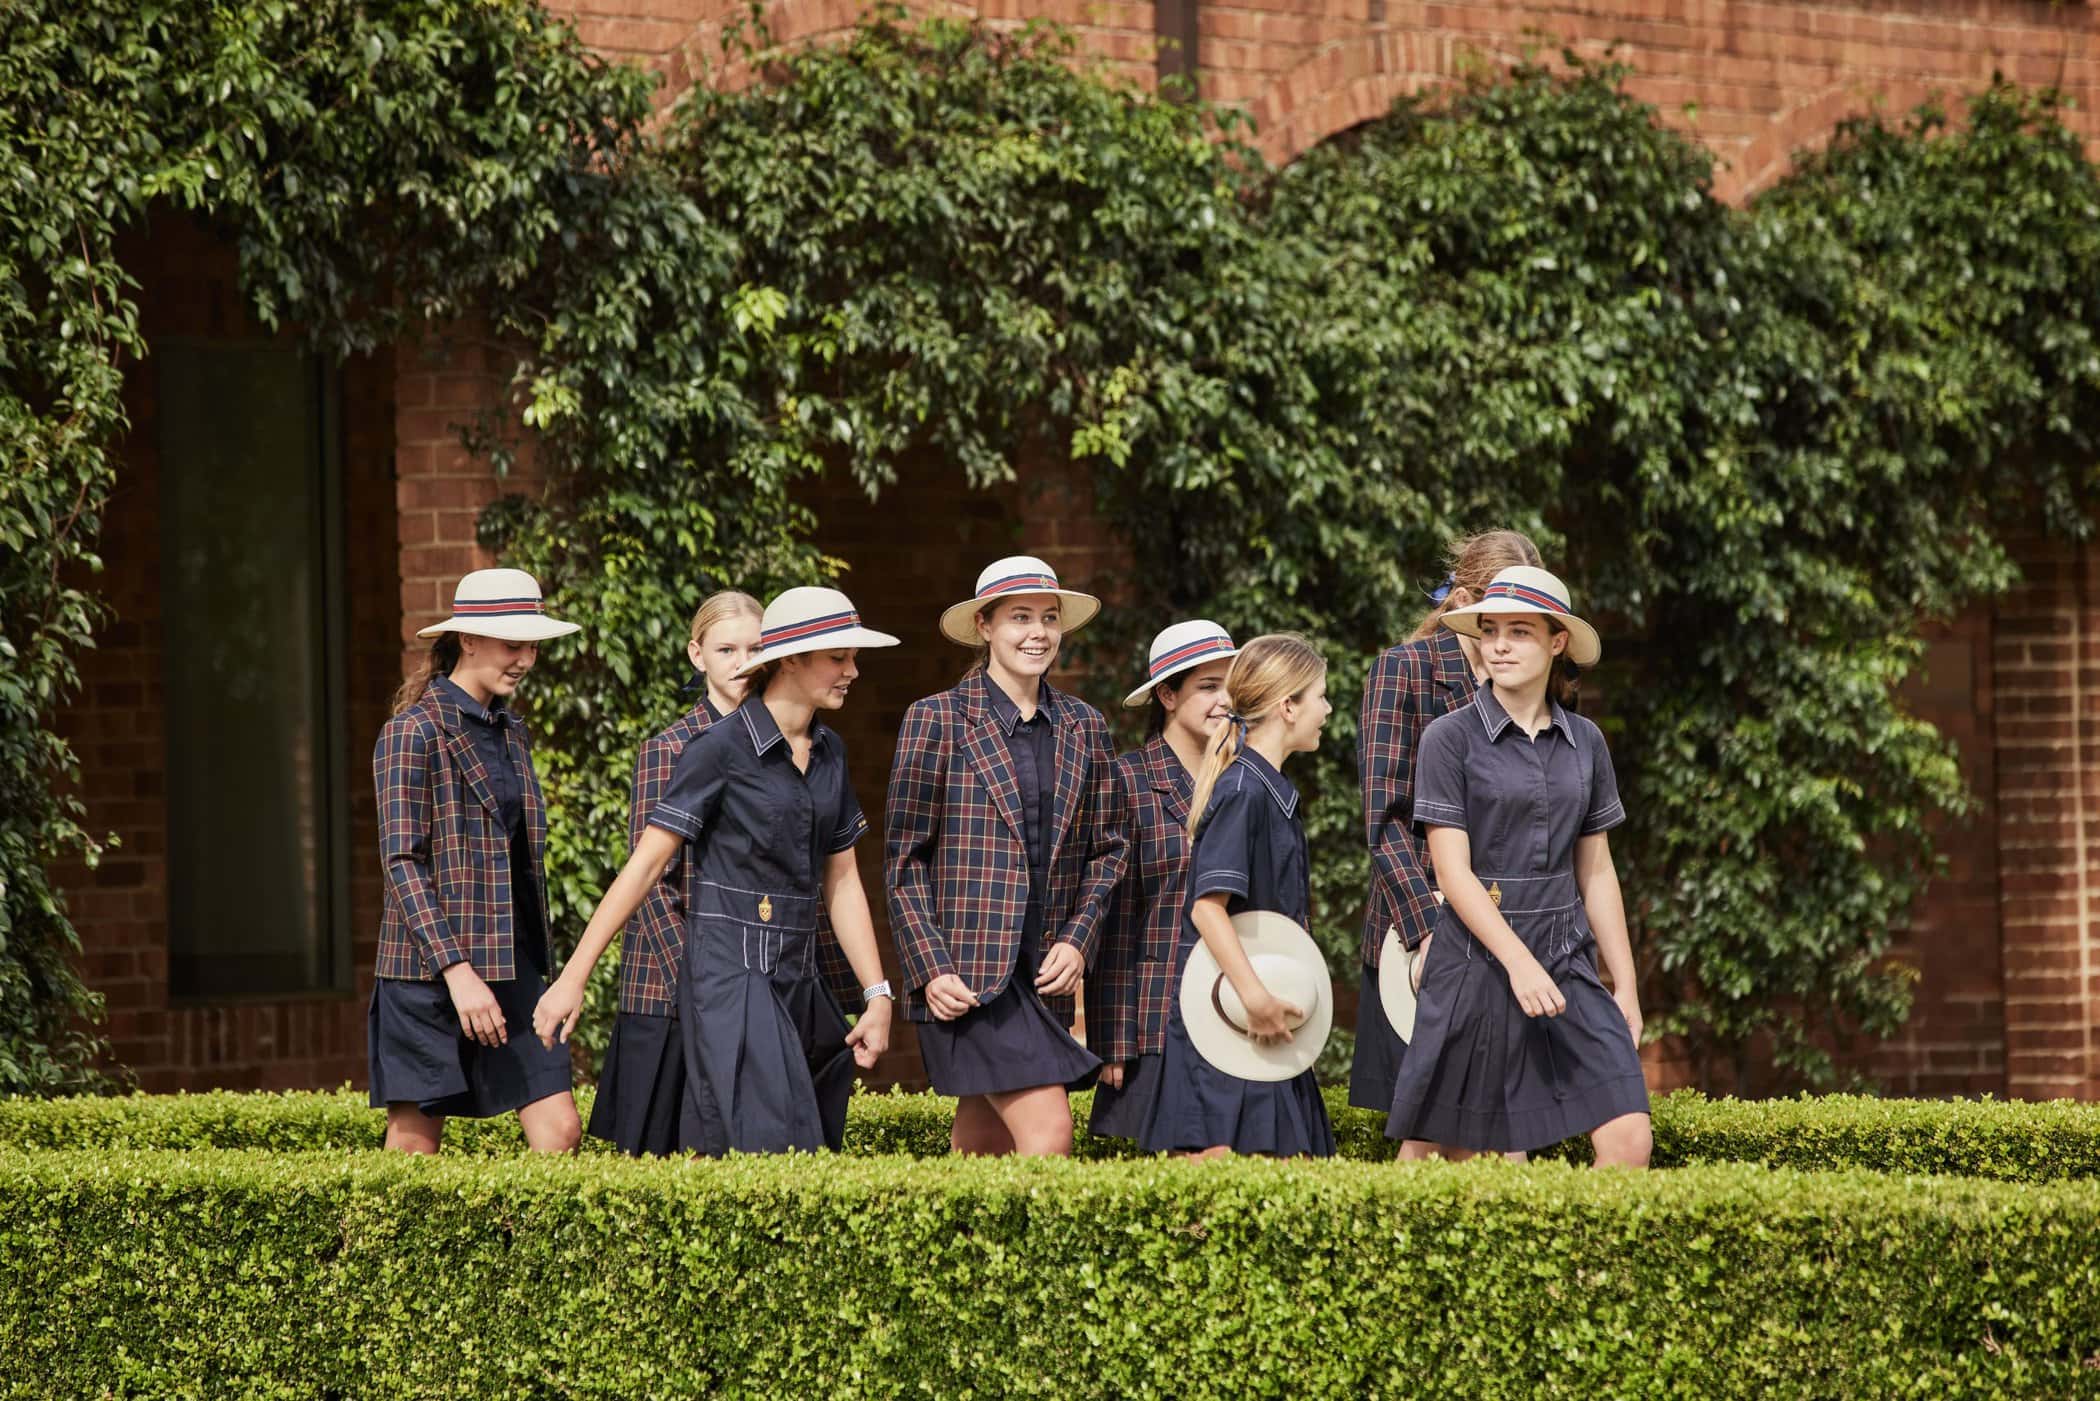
(1523,589)
(1289,965)
(1176,649)
(500,603)
(1016,574)
(810,620)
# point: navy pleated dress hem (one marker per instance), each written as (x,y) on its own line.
(641,1090)
(1200,1106)
(1121,1113)
(1374,1066)
(1008,1044)
(418,1055)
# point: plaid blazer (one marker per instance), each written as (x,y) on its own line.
(1409,686)
(443,848)
(655,938)
(955,848)
(1128,993)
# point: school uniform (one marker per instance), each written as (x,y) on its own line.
(1128,994)
(1002,838)
(1409,686)
(641,1090)
(1480,1074)
(766,1062)
(462,831)
(1251,849)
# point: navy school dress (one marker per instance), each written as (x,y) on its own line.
(1127,995)
(1013,1042)
(1251,849)
(767,1068)
(1481,1074)
(641,1089)
(417,1052)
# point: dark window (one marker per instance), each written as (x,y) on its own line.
(251,573)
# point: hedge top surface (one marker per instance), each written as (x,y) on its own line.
(2005,1140)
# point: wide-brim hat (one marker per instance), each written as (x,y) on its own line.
(1399,979)
(500,603)
(1289,965)
(1524,589)
(810,620)
(1016,574)
(1176,649)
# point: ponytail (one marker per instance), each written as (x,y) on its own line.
(1273,668)
(1474,561)
(439,661)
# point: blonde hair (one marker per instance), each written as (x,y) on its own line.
(718,607)
(438,661)
(1474,561)
(1273,668)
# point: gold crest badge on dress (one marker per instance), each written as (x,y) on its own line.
(765,909)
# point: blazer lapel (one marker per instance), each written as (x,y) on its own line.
(461,745)
(1071,774)
(1173,796)
(1452,672)
(985,748)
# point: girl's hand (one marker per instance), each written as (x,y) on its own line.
(870,1036)
(1418,960)
(1062,967)
(1270,1018)
(1536,991)
(948,997)
(480,1019)
(1630,1008)
(557,1012)
(1112,1075)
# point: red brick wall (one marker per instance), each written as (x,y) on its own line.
(190,290)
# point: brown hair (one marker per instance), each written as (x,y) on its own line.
(728,603)
(1474,561)
(1273,668)
(438,661)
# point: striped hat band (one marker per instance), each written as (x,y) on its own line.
(813,627)
(1537,598)
(1188,652)
(495,607)
(1020,583)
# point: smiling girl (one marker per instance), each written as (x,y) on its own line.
(462,836)
(766,814)
(1518,1044)
(1003,851)
(1128,993)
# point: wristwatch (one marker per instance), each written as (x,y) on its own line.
(881,989)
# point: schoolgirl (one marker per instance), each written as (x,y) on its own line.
(1517,1043)
(1129,988)
(1248,853)
(762,803)
(462,833)
(1003,851)
(642,1088)
(1434,671)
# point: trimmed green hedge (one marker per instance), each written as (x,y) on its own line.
(2011,1141)
(380,1276)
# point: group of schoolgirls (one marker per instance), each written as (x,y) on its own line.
(1023,860)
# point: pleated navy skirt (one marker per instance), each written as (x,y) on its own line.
(1482,1075)
(1010,1043)
(417,1054)
(767,1068)
(1122,1113)
(1375,1066)
(1200,1106)
(641,1090)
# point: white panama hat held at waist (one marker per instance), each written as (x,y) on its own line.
(809,619)
(1007,578)
(500,603)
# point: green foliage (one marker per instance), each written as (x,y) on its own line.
(382,1276)
(2012,1142)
